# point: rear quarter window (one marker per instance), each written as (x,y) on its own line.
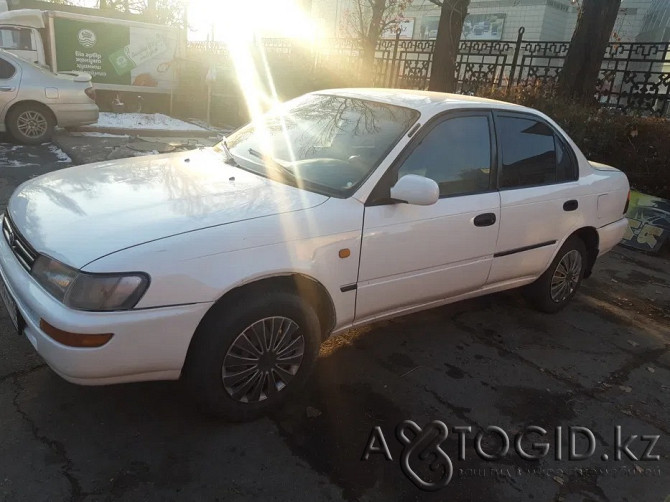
(7,69)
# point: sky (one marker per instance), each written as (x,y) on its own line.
(235,19)
(241,18)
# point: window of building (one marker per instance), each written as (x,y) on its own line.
(428,29)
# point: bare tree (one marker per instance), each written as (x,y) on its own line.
(169,12)
(366,20)
(443,69)
(579,75)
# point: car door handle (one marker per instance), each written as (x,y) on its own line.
(485,220)
(570,205)
(6,89)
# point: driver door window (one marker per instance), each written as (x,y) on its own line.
(456,153)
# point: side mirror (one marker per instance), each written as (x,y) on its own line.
(417,190)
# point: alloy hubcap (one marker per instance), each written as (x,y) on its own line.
(263,359)
(566,276)
(32,124)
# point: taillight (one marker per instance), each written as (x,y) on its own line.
(90,92)
(625,208)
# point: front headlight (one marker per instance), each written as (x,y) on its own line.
(94,292)
(53,276)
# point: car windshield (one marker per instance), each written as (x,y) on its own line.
(322,143)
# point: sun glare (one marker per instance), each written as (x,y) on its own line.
(236,19)
(239,25)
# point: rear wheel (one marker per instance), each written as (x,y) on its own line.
(30,123)
(247,358)
(555,288)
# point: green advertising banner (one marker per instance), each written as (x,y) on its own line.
(116,54)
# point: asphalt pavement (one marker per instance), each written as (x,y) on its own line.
(492,362)
(20,162)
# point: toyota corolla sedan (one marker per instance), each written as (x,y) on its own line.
(229,266)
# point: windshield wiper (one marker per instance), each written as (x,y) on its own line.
(230,160)
(274,162)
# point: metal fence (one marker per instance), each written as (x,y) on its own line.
(634,77)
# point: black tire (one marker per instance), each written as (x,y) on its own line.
(540,292)
(219,339)
(30,123)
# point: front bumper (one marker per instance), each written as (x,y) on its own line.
(148,344)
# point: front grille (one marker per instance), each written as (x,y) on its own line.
(22,250)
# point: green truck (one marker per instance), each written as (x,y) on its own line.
(120,55)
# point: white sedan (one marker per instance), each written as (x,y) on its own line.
(229,266)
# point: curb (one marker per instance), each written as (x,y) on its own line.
(146,132)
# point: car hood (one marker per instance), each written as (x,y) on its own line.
(82,213)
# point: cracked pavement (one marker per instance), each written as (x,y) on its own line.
(602,362)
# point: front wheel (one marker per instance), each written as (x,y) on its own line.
(559,283)
(247,358)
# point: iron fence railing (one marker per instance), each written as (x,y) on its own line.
(634,77)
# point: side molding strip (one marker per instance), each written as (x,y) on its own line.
(525,248)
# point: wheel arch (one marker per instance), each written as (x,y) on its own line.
(589,236)
(35,103)
(304,286)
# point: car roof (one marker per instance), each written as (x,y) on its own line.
(17,60)
(428,102)
(7,54)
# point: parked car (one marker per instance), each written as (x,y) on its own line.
(229,266)
(33,99)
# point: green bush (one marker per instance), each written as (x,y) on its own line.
(639,146)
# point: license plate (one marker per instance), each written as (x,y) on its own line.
(10,304)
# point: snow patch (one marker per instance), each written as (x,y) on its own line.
(144,154)
(99,135)
(143,121)
(60,154)
(16,163)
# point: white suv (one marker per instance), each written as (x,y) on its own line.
(230,265)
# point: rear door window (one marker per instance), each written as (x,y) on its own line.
(532,153)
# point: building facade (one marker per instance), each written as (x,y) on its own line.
(656,23)
(543,20)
